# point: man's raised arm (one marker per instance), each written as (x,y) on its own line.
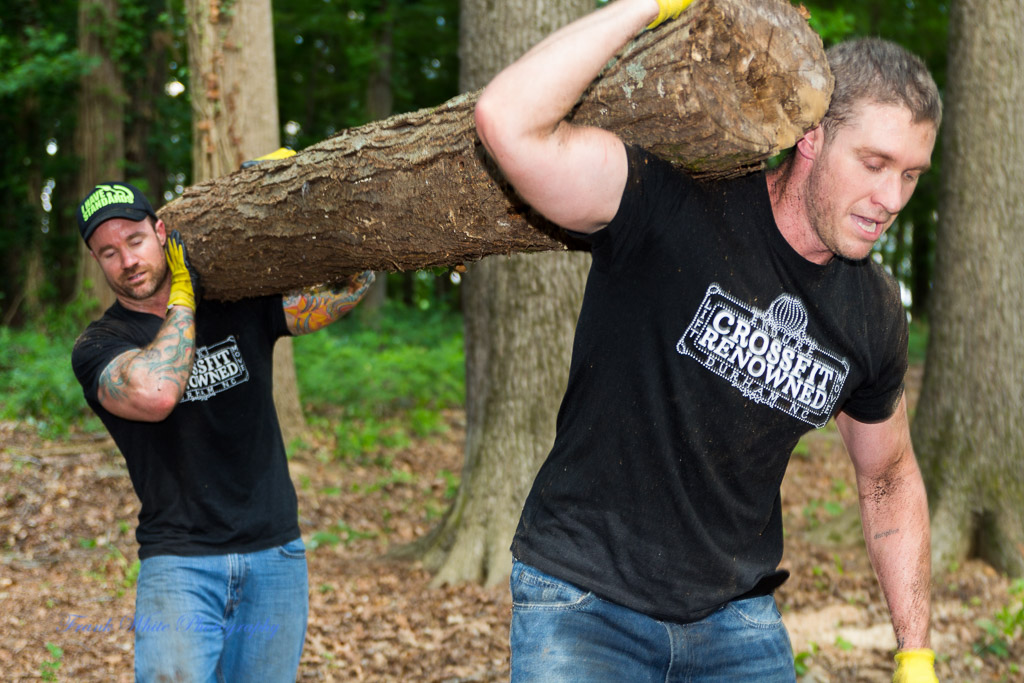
(573,175)
(146,384)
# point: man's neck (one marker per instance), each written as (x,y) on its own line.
(154,305)
(787,190)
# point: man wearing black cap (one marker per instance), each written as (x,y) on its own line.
(222,589)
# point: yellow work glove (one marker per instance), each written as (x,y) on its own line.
(183,289)
(669,9)
(915,666)
(282,153)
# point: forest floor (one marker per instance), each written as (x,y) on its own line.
(67,518)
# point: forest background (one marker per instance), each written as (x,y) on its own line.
(339,64)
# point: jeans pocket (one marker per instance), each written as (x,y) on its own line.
(759,612)
(532,589)
(293,550)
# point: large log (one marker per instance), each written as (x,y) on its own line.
(718,91)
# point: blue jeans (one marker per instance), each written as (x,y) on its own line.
(561,633)
(238,617)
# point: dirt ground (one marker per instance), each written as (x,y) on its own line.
(67,518)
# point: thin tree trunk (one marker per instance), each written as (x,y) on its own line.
(149,89)
(380,105)
(968,431)
(235,118)
(520,315)
(416,190)
(99,134)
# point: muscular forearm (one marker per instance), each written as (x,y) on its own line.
(894,509)
(315,308)
(146,384)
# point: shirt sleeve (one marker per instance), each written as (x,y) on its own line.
(876,400)
(278,322)
(93,352)
(654,190)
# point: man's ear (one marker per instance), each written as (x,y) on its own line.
(161,231)
(810,145)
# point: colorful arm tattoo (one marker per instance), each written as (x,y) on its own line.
(317,307)
(167,360)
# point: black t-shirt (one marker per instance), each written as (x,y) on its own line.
(212,477)
(705,348)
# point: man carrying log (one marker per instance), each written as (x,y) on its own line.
(721,321)
(188,398)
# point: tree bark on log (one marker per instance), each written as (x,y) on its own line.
(719,90)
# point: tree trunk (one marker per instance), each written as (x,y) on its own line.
(520,317)
(968,431)
(380,105)
(234,86)
(416,190)
(235,118)
(99,134)
(149,89)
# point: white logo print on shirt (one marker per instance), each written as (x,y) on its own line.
(217,368)
(767,355)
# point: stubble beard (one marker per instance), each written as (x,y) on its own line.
(149,287)
(826,219)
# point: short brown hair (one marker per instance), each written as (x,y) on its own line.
(879,71)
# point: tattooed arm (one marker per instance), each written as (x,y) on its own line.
(312,309)
(894,511)
(146,384)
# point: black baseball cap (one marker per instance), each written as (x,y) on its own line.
(112,200)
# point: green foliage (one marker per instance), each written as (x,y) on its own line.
(341,532)
(386,381)
(802,658)
(39,58)
(49,667)
(357,438)
(802,449)
(817,508)
(832,24)
(918,345)
(329,50)
(410,359)
(1004,627)
(40,68)
(131,574)
(322,538)
(451,484)
(37,383)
